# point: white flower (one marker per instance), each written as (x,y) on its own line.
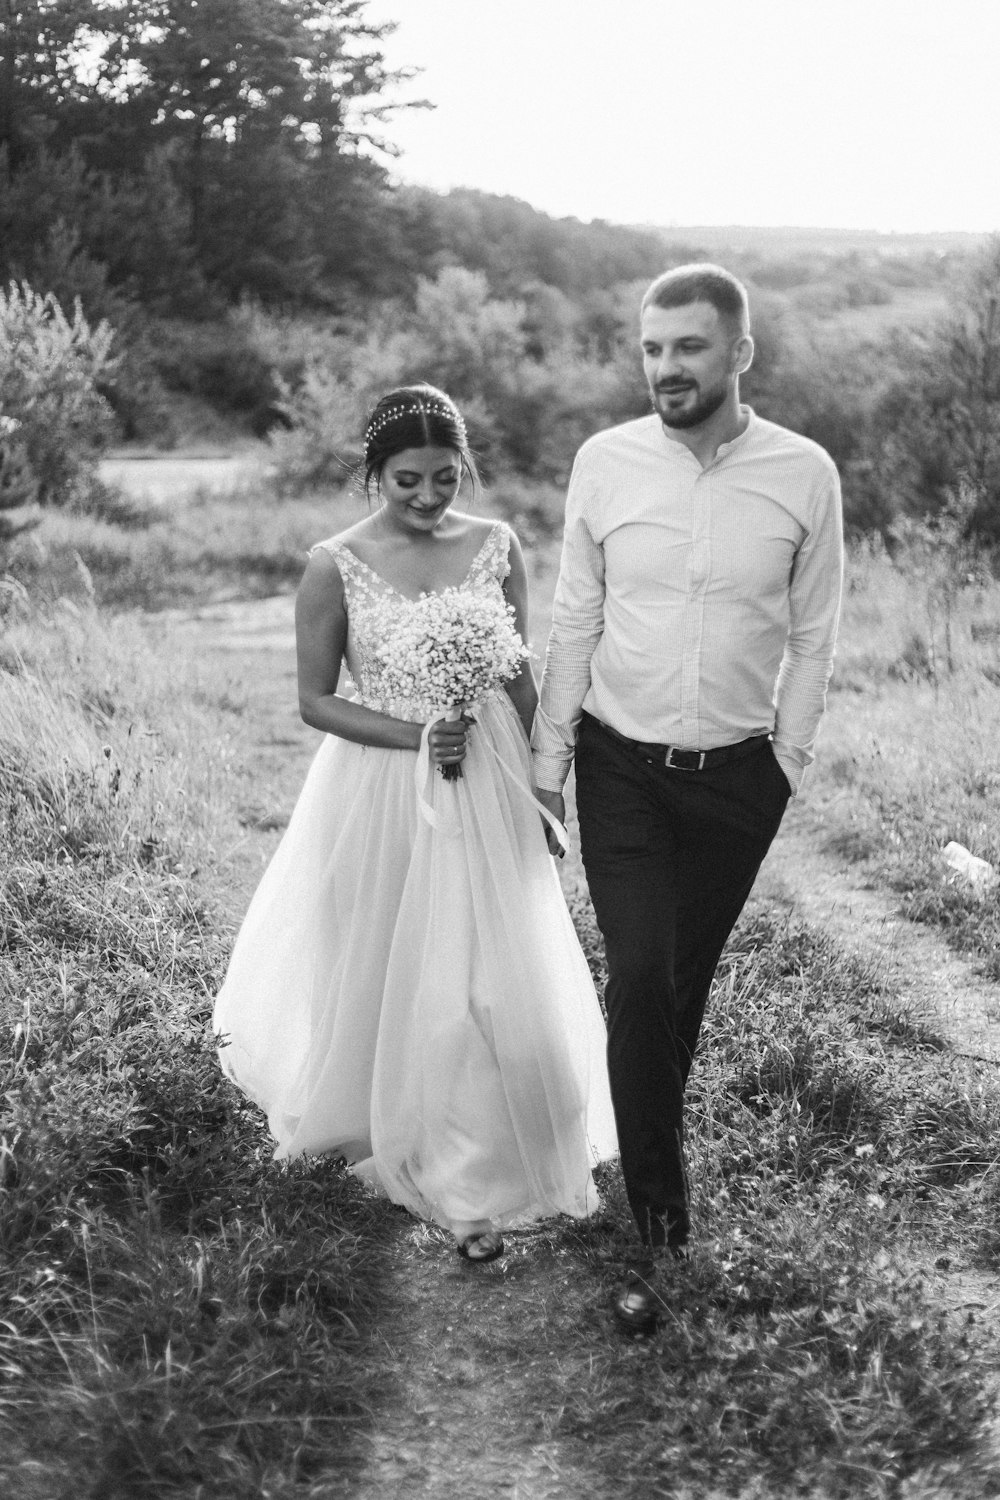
(453,648)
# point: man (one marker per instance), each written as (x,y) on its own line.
(692,641)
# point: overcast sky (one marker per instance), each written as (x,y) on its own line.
(873,114)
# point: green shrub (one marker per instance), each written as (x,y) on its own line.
(50,366)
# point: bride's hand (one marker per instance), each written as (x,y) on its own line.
(447,741)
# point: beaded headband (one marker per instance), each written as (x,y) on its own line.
(418,409)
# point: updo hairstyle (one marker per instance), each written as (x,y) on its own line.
(414,416)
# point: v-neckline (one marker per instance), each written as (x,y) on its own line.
(424,593)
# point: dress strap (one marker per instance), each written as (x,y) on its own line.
(493,558)
(357,577)
(342,555)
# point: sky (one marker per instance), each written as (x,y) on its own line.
(859,114)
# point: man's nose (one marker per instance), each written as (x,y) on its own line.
(668,366)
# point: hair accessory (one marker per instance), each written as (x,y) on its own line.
(417,409)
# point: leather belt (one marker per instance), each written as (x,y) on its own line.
(676,759)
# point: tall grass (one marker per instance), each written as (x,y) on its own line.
(246,544)
(836,1155)
(183,1316)
(908,756)
(179,1315)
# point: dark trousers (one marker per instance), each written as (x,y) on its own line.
(670,857)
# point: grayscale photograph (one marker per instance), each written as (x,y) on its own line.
(499,750)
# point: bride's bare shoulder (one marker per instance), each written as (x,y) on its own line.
(352,537)
(475,528)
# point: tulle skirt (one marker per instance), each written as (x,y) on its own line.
(415,997)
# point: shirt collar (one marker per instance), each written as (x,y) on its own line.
(724,449)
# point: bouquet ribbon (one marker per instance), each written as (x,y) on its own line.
(422,769)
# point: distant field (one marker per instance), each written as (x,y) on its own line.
(914,307)
(787,240)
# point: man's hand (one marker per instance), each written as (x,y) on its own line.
(555,803)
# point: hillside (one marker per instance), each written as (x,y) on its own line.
(789,240)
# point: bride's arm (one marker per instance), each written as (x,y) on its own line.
(521,689)
(320,642)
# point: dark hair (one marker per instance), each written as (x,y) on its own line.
(701,282)
(414,416)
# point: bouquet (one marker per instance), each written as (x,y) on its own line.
(454,648)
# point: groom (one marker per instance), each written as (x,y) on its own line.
(692,641)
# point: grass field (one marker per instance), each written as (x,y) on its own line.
(183,1317)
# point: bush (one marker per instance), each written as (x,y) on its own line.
(218,364)
(56,419)
(320,445)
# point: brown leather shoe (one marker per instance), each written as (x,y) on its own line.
(637,1304)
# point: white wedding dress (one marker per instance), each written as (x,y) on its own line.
(415,997)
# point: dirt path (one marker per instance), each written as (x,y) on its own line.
(464,1417)
(833,895)
(467,1419)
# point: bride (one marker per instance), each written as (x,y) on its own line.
(407,989)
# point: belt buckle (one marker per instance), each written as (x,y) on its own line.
(686,760)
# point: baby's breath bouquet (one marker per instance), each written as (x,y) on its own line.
(452,650)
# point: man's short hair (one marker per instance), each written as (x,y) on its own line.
(701,282)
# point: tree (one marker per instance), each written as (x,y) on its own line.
(269,70)
(39,40)
(261,103)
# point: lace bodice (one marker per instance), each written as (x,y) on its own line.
(375,610)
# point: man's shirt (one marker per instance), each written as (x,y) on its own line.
(695,607)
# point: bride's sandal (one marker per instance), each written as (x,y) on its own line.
(483,1245)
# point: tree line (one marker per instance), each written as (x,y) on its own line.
(193,154)
(205,180)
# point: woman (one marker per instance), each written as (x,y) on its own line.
(407,989)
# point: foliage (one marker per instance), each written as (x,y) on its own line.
(937,424)
(528,390)
(943,557)
(19,510)
(319,443)
(54,417)
(515,247)
(908,760)
(195,147)
(165,160)
(178,1311)
(196,552)
(182,1314)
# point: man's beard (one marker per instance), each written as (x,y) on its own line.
(705,406)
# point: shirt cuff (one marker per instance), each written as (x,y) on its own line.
(792,766)
(549,772)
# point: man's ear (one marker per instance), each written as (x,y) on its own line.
(742,354)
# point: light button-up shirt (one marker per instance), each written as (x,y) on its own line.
(695,606)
